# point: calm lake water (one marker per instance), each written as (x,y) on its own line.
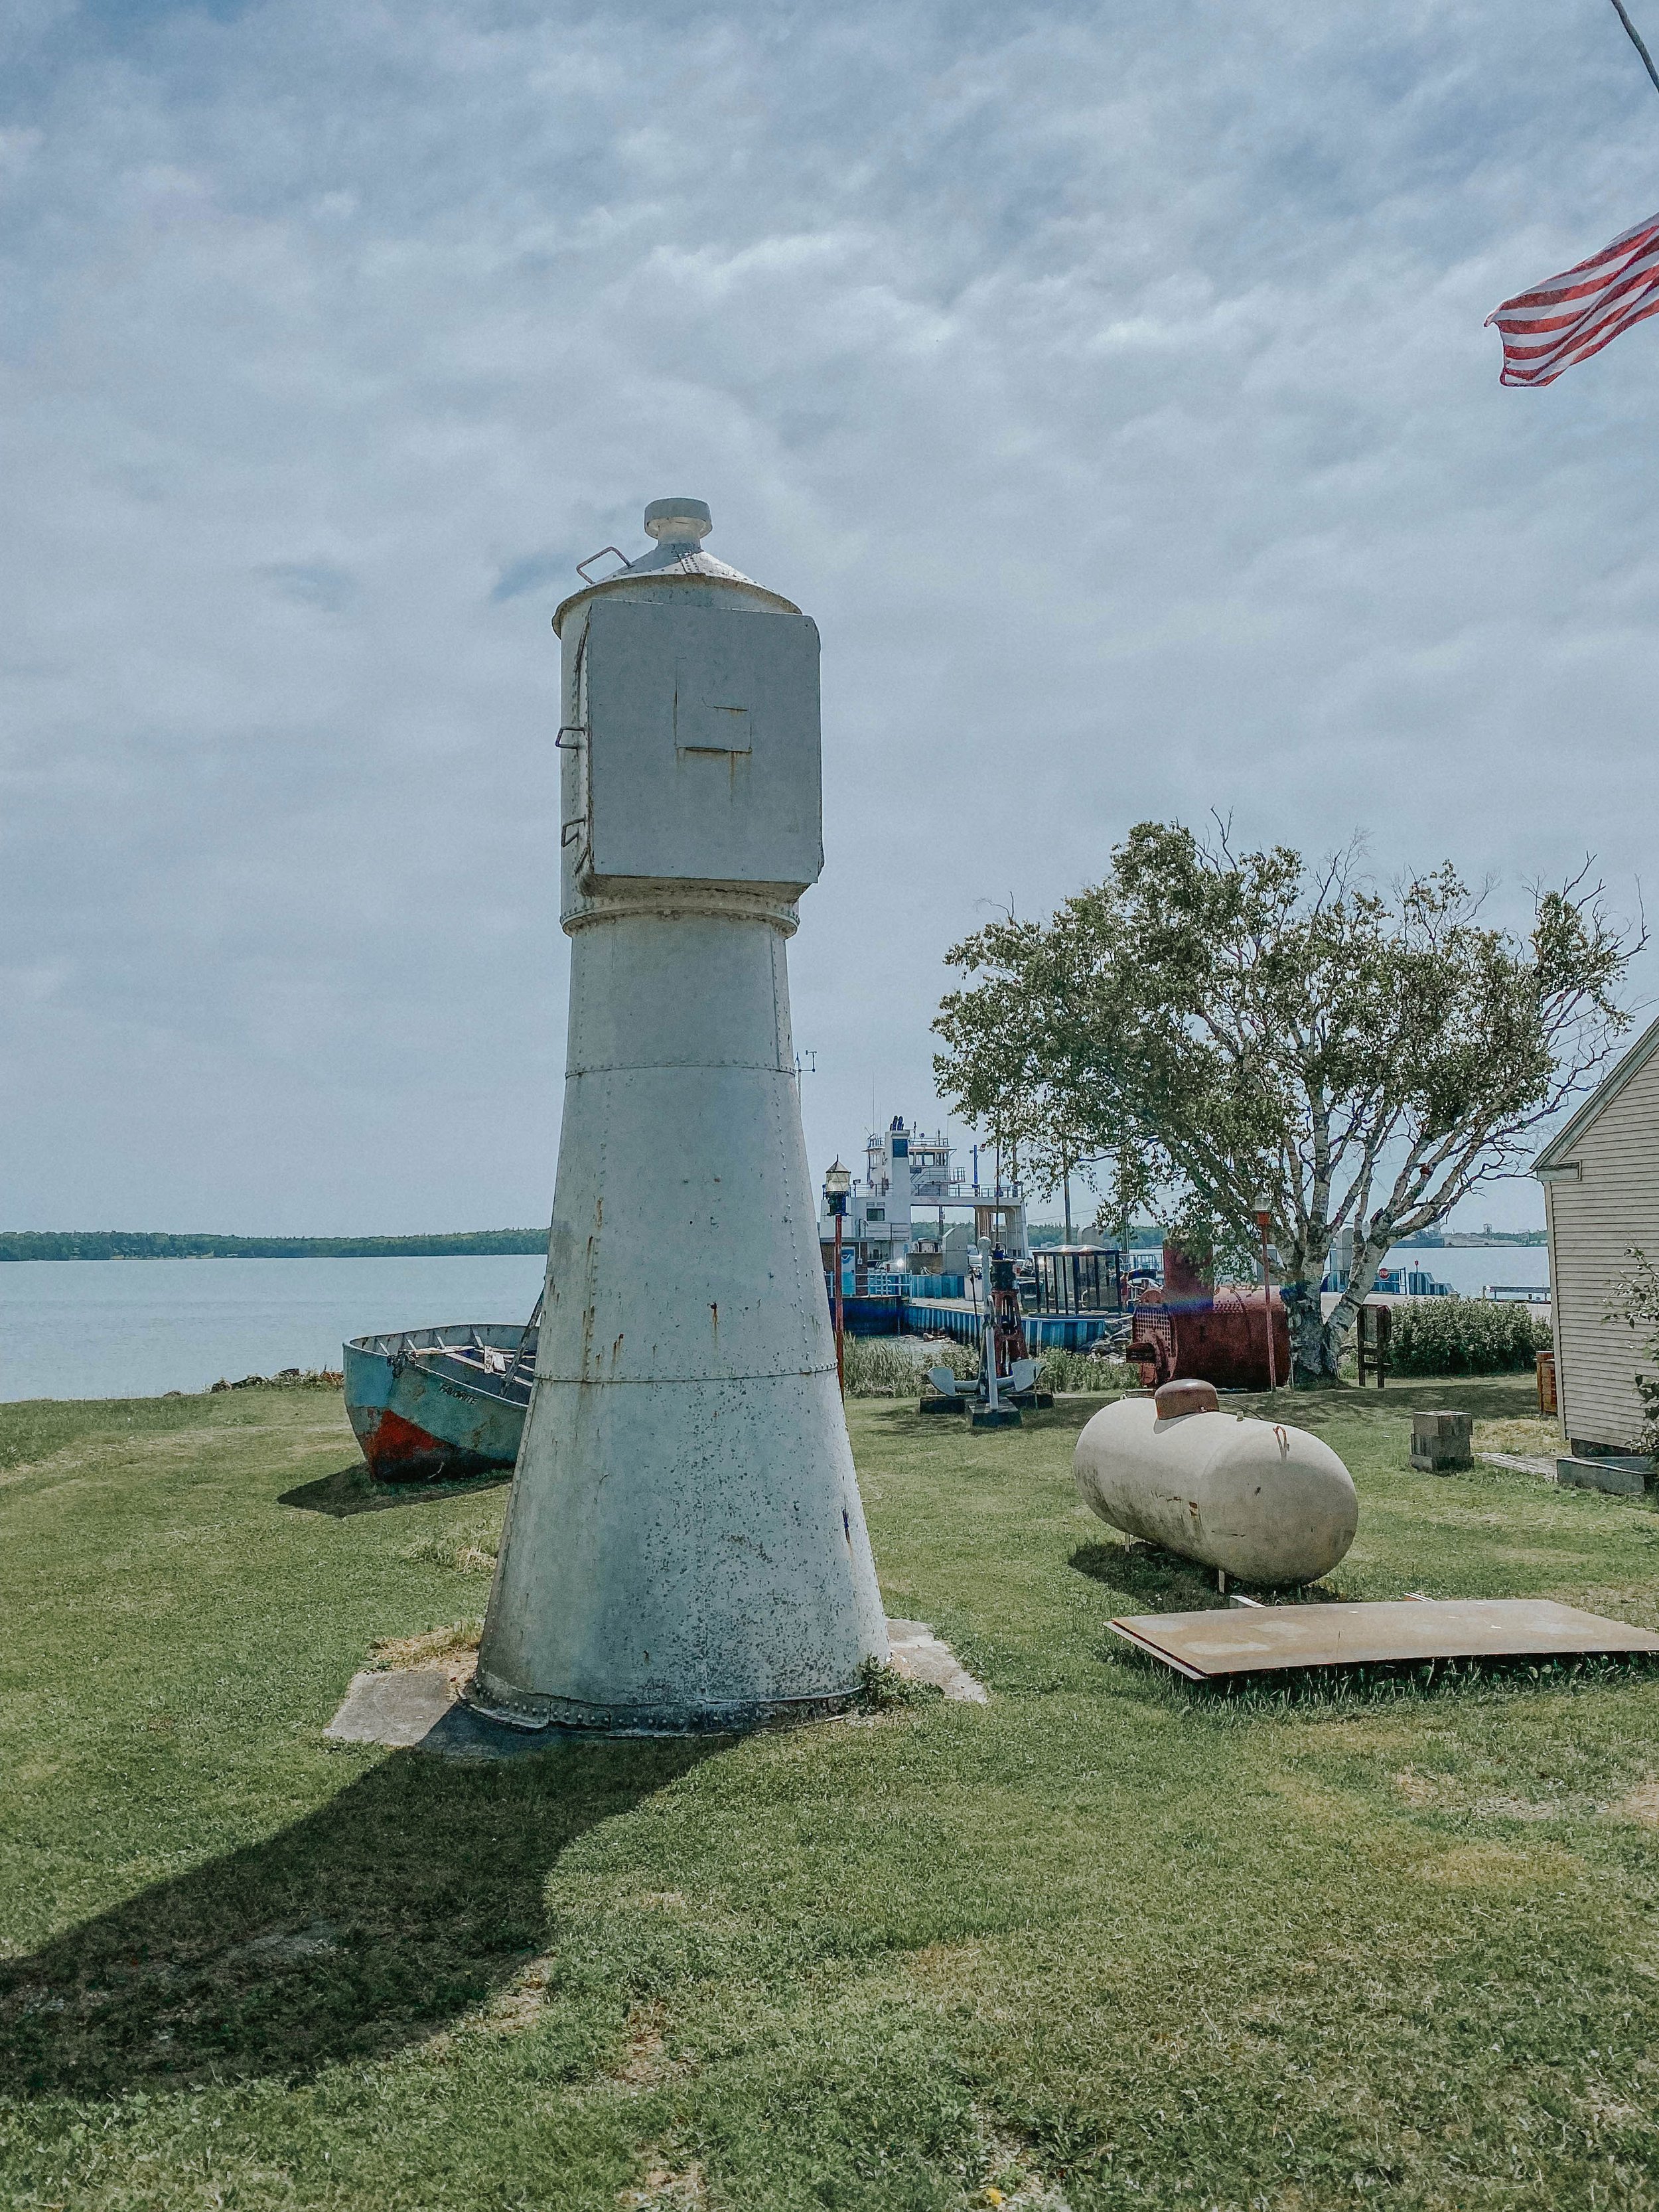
(120,1328)
(117,1328)
(1470,1272)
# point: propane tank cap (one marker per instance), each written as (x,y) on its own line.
(678,521)
(1172,1399)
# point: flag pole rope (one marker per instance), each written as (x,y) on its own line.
(1636,40)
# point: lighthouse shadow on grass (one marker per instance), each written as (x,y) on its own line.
(409,1899)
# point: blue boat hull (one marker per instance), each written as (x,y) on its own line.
(436,1404)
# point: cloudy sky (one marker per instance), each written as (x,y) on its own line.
(1109,383)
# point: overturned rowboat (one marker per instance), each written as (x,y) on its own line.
(437,1405)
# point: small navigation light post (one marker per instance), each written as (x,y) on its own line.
(1264,1222)
(685,1546)
(836,1184)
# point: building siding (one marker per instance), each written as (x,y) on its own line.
(1593,1223)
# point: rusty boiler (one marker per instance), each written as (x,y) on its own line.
(1192,1327)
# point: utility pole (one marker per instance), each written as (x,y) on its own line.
(1264,1219)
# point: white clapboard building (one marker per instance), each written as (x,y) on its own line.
(1600,1178)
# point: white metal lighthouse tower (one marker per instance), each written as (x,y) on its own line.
(684,1546)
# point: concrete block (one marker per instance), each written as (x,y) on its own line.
(996,1417)
(920,1655)
(1443,1442)
(418,1709)
(1623,1477)
(400,1708)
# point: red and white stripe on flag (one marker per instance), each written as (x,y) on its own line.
(1569,317)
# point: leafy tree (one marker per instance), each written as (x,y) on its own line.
(1005,1039)
(1226,1024)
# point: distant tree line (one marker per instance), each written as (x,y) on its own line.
(162,1244)
(1144,1236)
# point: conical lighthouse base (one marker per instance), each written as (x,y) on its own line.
(685,1547)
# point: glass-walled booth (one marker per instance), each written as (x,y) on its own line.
(1079,1278)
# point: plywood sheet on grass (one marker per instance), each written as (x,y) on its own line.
(1267,1639)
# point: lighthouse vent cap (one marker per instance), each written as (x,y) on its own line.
(678,521)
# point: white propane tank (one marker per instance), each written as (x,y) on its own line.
(1261,1500)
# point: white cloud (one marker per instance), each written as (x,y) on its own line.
(1111,388)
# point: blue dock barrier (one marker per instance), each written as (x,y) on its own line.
(879,1311)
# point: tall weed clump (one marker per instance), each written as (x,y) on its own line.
(897,1366)
(1464,1336)
(1059,1369)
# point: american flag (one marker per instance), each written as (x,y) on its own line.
(1569,317)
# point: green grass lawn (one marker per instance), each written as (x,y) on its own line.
(1104,1941)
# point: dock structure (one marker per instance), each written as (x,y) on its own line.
(910,1176)
(895,1313)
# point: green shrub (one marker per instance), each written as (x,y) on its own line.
(1463,1336)
(1635,1302)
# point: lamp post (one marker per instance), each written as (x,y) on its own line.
(1264,1222)
(836,1183)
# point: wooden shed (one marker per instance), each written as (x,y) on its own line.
(1600,1178)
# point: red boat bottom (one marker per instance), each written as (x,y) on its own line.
(397,1451)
